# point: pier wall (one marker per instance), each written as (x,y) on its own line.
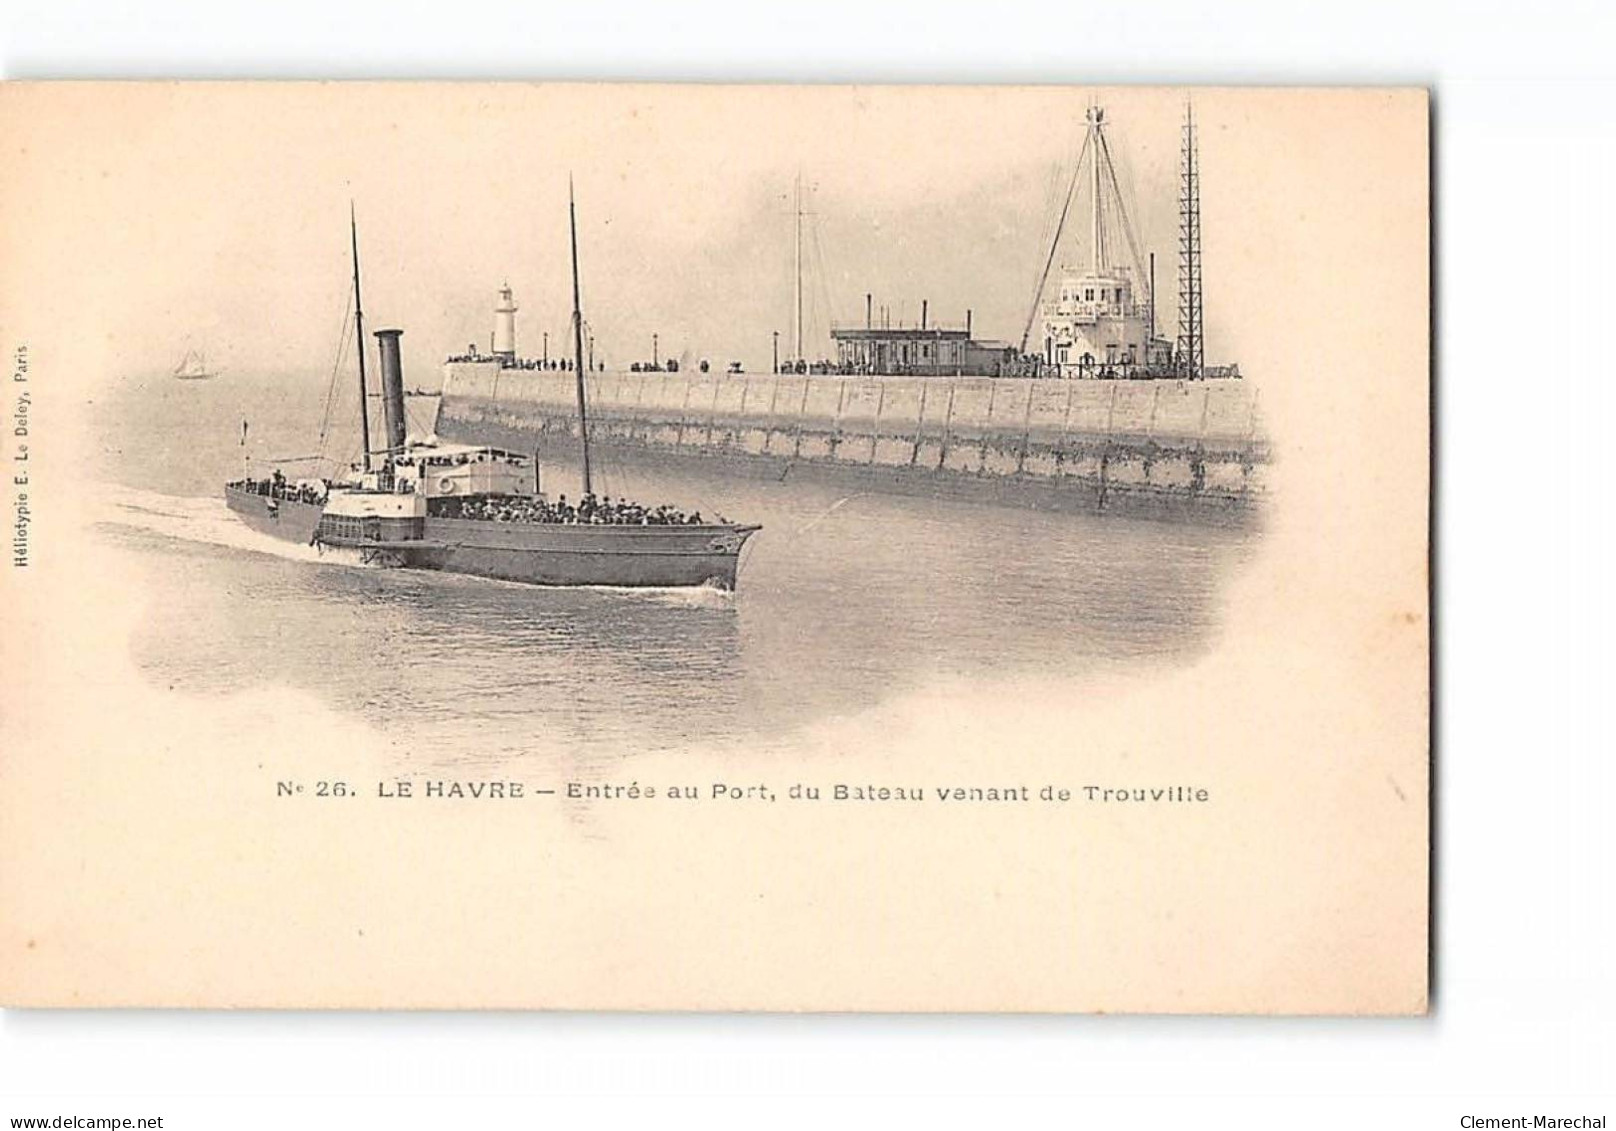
(1170,446)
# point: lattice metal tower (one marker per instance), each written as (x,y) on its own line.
(1190,351)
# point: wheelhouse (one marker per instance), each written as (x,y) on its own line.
(464,471)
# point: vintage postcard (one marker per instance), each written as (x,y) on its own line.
(715,548)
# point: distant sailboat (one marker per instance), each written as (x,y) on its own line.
(194,367)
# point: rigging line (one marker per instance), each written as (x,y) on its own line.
(350,456)
(346,424)
(823,281)
(354,451)
(1052,183)
(415,419)
(1127,225)
(814,269)
(341,355)
(1050,212)
(600,463)
(1043,279)
(328,418)
(1052,197)
(330,396)
(1122,164)
(600,469)
(1077,137)
(336,368)
(1046,211)
(331,425)
(788,335)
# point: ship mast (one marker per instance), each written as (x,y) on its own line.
(1054,243)
(1102,172)
(578,338)
(359,340)
(1097,238)
(799,265)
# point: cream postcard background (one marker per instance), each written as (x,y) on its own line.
(145,861)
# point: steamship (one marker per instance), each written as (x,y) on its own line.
(440,506)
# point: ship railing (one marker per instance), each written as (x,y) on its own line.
(1088,311)
(854,328)
(281,490)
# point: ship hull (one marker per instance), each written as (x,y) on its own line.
(532,553)
(286,519)
(553,554)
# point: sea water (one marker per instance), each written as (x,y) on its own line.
(845,598)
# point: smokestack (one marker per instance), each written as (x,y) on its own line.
(924,303)
(967,323)
(869,311)
(392,387)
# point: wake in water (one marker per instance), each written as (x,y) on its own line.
(690,596)
(828,511)
(208,521)
(188,518)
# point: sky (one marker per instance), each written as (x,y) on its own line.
(216,215)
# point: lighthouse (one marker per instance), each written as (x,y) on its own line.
(505,326)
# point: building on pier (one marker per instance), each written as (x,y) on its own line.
(929,352)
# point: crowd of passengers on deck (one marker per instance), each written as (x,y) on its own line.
(589,511)
(276,487)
